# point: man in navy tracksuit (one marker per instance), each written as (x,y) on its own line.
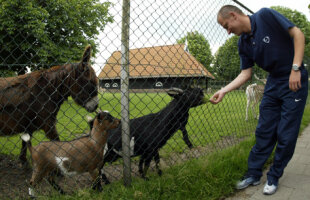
(276,45)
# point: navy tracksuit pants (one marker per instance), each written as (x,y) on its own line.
(280,116)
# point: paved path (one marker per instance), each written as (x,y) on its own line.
(294,184)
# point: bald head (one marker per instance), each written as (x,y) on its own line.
(233,20)
(225,10)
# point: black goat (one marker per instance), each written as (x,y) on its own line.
(152,131)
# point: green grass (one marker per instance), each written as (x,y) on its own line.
(306,116)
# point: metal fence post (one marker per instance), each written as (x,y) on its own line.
(125,92)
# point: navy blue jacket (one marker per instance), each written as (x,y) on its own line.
(269,44)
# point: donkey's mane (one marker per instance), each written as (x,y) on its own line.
(14,90)
(58,74)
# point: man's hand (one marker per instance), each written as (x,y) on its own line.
(295,80)
(243,77)
(217,97)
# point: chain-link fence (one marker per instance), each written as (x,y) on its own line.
(176,57)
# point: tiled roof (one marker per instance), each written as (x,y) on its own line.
(159,61)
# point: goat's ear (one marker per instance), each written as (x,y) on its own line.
(100,116)
(86,56)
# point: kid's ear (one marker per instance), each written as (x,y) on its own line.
(100,117)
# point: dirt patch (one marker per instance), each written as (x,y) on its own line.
(14,179)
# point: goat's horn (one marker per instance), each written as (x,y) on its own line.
(256,76)
(177,90)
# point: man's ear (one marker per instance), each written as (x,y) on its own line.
(233,14)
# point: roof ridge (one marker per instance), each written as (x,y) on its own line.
(152,47)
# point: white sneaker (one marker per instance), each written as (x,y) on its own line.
(247,181)
(270,189)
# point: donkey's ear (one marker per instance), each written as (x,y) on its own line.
(86,56)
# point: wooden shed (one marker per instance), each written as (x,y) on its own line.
(159,67)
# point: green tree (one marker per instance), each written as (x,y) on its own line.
(39,34)
(300,20)
(226,65)
(199,47)
(307,52)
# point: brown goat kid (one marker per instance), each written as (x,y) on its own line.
(84,154)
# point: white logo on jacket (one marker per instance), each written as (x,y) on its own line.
(266,39)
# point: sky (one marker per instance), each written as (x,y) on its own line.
(299,5)
(163,22)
